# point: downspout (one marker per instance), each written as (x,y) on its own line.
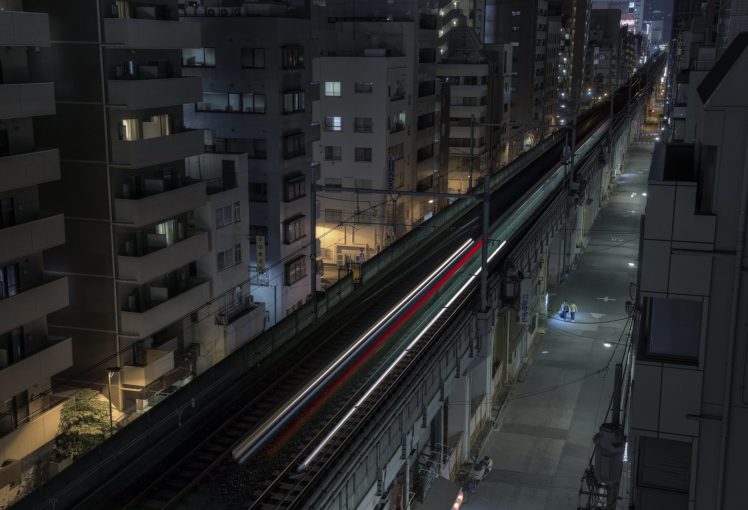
(726,404)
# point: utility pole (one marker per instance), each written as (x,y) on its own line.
(313,227)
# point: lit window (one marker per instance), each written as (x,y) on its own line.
(332,88)
(333,123)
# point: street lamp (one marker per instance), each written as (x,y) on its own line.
(110,371)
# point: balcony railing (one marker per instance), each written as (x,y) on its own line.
(21,100)
(51,359)
(33,303)
(31,237)
(152,208)
(19,28)
(149,265)
(152,34)
(161,149)
(140,94)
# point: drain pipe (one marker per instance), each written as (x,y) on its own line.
(726,405)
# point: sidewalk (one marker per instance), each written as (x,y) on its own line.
(542,442)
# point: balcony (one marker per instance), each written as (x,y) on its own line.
(31,304)
(31,237)
(160,261)
(21,100)
(154,151)
(243,322)
(28,372)
(24,28)
(158,362)
(29,169)
(153,93)
(150,209)
(151,33)
(38,429)
(159,315)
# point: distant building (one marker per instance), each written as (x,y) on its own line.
(632,12)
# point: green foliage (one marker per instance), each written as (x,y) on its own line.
(84,423)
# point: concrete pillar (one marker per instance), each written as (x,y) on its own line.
(458,417)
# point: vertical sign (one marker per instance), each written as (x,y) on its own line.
(391,174)
(525,287)
(260,241)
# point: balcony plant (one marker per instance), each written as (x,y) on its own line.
(84,424)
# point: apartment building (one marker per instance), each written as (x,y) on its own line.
(255,68)
(603,70)
(471,13)
(134,241)
(29,355)
(689,411)
(632,12)
(554,82)
(479,81)
(524,25)
(379,113)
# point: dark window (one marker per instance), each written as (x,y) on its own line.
(293,57)
(397,122)
(293,101)
(294,187)
(427,55)
(426,120)
(363,154)
(333,216)
(663,474)
(295,270)
(293,229)
(9,284)
(425,153)
(333,153)
(363,87)
(427,21)
(425,183)
(253,103)
(258,192)
(253,58)
(426,88)
(293,146)
(362,125)
(396,151)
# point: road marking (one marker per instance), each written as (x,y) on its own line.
(598,315)
(605,299)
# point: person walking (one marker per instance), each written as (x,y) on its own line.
(573,311)
(564,310)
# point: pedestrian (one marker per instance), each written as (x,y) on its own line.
(564,309)
(573,311)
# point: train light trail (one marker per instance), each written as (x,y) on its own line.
(397,361)
(249,445)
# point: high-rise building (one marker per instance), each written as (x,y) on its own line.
(689,409)
(524,25)
(603,70)
(255,68)
(29,356)
(141,253)
(632,11)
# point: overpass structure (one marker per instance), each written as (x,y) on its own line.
(370,376)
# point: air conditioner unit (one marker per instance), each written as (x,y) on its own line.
(237,11)
(224,12)
(211,11)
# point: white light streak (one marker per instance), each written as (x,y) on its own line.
(387,372)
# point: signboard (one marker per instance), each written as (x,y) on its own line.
(260,241)
(525,288)
(391,174)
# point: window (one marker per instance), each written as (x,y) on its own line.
(256,231)
(293,101)
(333,123)
(396,151)
(295,270)
(397,122)
(363,154)
(199,57)
(228,214)
(426,88)
(362,125)
(336,182)
(253,103)
(516,13)
(427,21)
(332,88)
(425,183)
(427,55)
(293,229)
(253,58)
(664,473)
(229,257)
(293,146)
(333,153)
(363,87)
(362,183)
(396,91)
(426,120)
(9,281)
(258,192)
(671,329)
(425,153)
(293,57)
(257,148)
(333,216)
(294,187)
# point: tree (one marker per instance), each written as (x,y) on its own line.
(84,424)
